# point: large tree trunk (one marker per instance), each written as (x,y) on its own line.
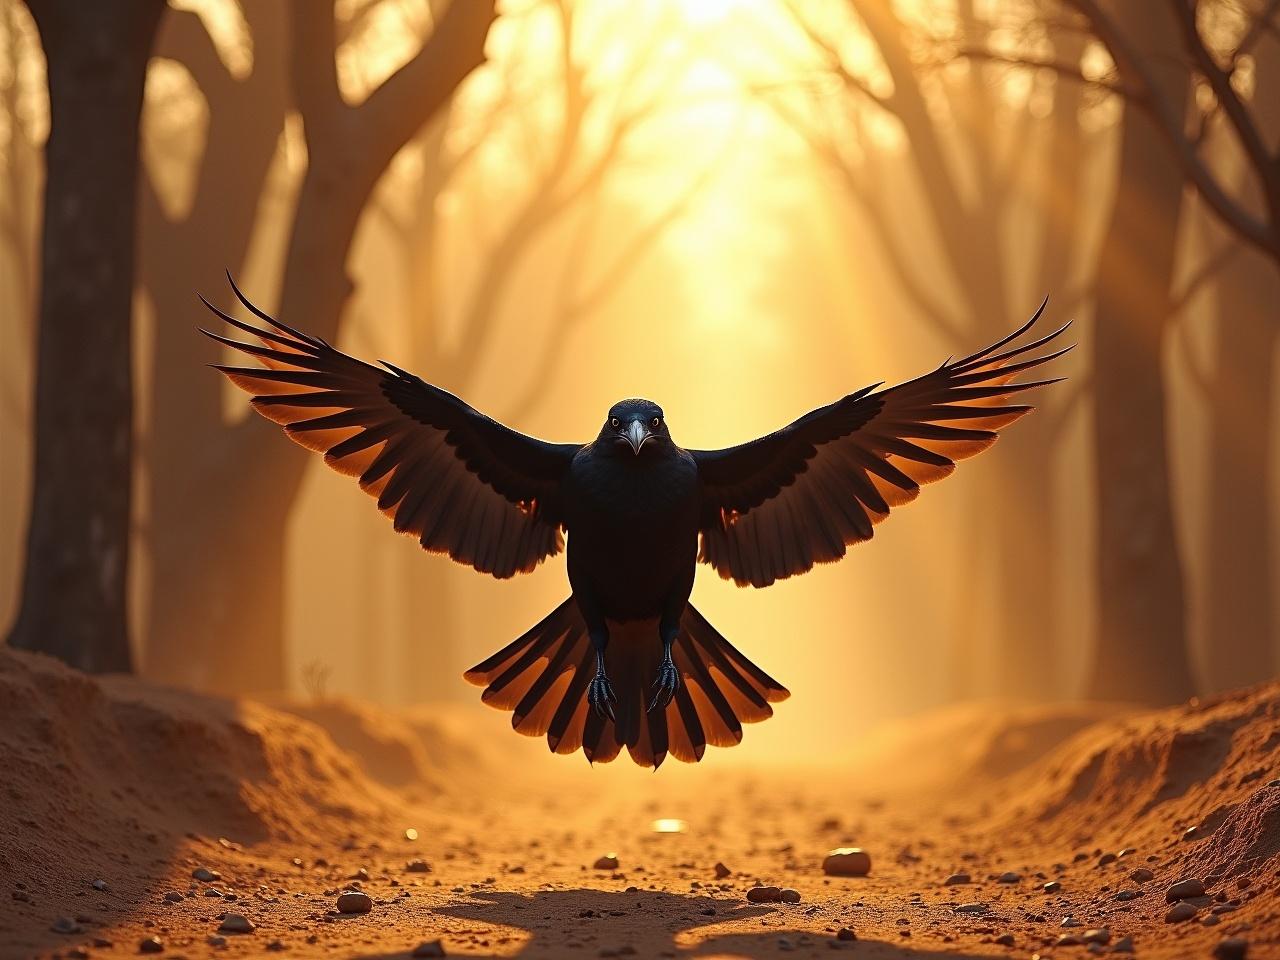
(1142,636)
(74,589)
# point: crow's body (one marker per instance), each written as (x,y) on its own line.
(626,660)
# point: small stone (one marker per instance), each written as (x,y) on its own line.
(1053,886)
(361,874)
(608,862)
(276,946)
(78,953)
(956,879)
(1106,858)
(1099,935)
(205,875)
(845,934)
(1180,912)
(1191,833)
(787,895)
(972,908)
(418,866)
(1124,896)
(722,872)
(1212,920)
(173,896)
(99,885)
(1232,948)
(1009,876)
(1005,940)
(1123,945)
(1142,875)
(237,923)
(847,862)
(1184,890)
(216,940)
(764,894)
(355,901)
(429,948)
(65,925)
(151,945)
(1067,940)
(1070,921)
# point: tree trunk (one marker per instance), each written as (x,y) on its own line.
(1142,637)
(74,590)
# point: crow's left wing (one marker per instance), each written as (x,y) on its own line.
(774,507)
(461,483)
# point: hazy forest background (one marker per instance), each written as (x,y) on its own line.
(740,208)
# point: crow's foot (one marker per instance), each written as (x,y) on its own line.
(601,696)
(664,688)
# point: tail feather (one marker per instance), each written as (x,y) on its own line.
(542,678)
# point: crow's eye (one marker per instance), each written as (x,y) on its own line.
(615,422)
(656,421)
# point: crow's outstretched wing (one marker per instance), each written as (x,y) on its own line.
(460,482)
(774,507)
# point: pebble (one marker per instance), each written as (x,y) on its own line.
(173,896)
(1009,876)
(205,875)
(1067,940)
(1232,948)
(276,946)
(764,894)
(1212,920)
(1191,833)
(1123,945)
(361,874)
(1180,912)
(237,923)
(607,862)
(1053,886)
(1099,935)
(971,908)
(847,862)
(957,878)
(722,872)
(844,933)
(418,866)
(429,948)
(1070,921)
(354,901)
(787,895)
(1107,858)
(1184,890)
(65,925)
(1126,895)
(1005,940)
(99,885)
(151,945)
(1142,875)
(215,940)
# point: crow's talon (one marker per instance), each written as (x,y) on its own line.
(601,696)
(664,688)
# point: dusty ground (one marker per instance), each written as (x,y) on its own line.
(138,787)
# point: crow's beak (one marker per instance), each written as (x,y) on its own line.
(636,433)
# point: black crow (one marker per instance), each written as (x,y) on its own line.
(626,660)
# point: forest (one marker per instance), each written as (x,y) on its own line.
(743,209)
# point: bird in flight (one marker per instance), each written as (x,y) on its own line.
(626,660)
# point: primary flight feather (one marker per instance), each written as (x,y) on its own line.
(626,660)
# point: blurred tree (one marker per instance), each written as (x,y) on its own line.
(73,602)
(218,620)
(970,153)
(1141,651)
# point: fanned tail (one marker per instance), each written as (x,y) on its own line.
(542,677)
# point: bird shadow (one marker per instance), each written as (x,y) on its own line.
(641,923)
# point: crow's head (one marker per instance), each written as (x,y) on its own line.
(632,424)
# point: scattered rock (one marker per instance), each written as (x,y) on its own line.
(764,894)
(1053,886)
(65,925)
(361,874)
(722,872)
(1070,921)
(1124,896)
(1099,935)
(1067,940)
(1107,858)
(1212,920)
(1184,890)
(151,945)
(972,908)
(418,866)
(1180,912)
(1123,945)
(957,878)
(355,901)
(787,895)
(1009,876)
(1005,940)
(1142,875)
(844,933)
(429,948)
(237,923)
(216,940)
(173,896)
(205,875)
(99,885)
(847,862)
(608,862)
(1232,948)
(276,946)
(1191,833)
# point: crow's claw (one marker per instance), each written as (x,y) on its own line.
(664,688)
(601,696)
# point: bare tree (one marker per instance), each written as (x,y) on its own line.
(222,603)
(74,589)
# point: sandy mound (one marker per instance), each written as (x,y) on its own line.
(104,772)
